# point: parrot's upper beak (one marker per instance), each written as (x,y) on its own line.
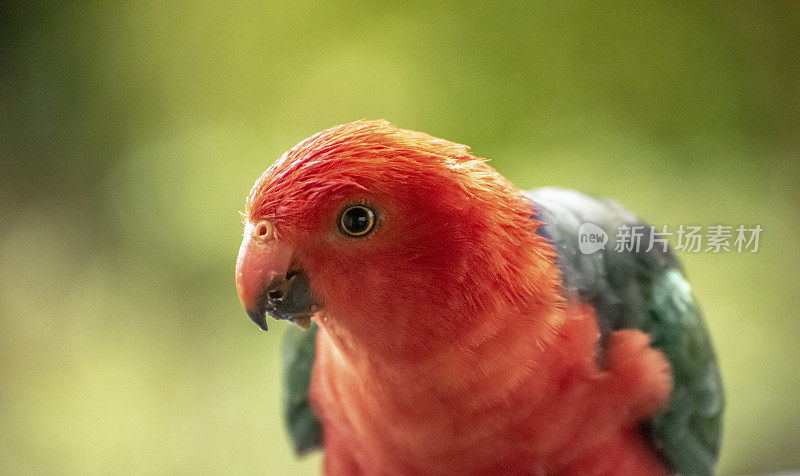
(266,280)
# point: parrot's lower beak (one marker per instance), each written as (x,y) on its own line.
(267,282)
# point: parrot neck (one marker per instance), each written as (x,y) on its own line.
(430,356)
(480,352)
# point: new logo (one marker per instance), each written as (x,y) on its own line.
(591,238)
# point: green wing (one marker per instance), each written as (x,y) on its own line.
(647,291)
(299,348)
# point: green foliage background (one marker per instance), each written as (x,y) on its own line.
(130,133)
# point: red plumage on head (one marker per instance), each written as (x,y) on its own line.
(446,246)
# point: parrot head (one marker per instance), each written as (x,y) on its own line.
(385,235)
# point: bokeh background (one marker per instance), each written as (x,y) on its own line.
(131,132)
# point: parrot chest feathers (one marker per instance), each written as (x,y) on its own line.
(468,411)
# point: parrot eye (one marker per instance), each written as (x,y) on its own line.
(356,220)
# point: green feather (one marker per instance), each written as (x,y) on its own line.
(689,430)
(299,348)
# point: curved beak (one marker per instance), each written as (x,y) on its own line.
(265,281)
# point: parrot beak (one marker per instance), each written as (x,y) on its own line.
(266,282)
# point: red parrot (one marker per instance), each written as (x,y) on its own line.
(455,327)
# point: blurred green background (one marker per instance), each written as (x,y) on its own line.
(130,134)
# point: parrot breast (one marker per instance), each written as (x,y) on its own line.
(468,411)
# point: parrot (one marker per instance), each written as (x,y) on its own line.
(451,323)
